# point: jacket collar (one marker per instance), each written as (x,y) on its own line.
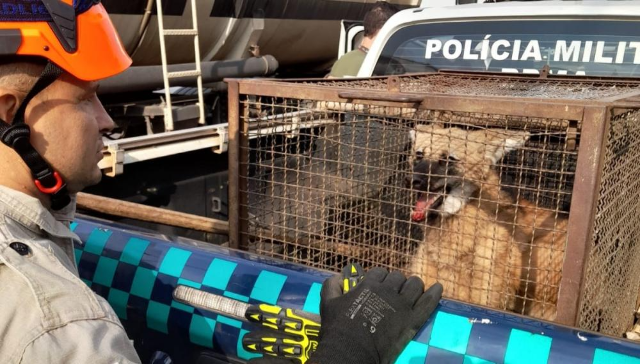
(29,212)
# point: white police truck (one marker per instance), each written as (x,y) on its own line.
(593,38)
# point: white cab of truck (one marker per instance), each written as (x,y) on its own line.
(592,38)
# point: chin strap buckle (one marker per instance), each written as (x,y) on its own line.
(50,183)
(50,179)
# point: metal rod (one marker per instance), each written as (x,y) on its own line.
(583,204)
(145,78)
(376,96)
(234,151)
(243,162)
(136,211)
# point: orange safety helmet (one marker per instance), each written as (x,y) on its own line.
(75,36)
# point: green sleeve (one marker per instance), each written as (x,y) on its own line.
(348,65)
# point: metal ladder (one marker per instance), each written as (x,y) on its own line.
(168,109)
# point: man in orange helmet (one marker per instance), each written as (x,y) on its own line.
(52,53)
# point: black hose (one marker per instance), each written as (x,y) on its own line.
(146,78)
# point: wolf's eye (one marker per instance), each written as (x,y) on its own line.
(419,155)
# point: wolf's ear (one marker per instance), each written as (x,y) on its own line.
(503,142)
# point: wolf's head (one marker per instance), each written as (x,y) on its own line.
(450,164)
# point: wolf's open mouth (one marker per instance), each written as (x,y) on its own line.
(426,201)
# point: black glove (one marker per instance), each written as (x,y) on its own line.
(373,322)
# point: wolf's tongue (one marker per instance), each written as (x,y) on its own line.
(422,206)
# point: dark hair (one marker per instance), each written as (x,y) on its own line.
(377,16)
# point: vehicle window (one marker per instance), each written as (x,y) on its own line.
(568,47)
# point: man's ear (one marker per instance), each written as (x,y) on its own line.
(9,103)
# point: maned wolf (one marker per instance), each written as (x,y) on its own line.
(482,243)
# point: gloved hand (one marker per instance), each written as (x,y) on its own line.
(373,322)
(288,333)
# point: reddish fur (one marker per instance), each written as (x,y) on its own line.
(489,249)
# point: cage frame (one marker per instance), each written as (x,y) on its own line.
(593,115)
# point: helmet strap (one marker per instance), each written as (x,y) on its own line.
(17,136)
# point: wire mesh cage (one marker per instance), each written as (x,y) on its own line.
(514,193)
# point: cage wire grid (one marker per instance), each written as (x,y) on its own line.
(613,264)
(328,181)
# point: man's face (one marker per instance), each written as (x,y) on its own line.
(67,122)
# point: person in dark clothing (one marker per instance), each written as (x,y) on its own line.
(349,64)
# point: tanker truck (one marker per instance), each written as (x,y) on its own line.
(170,108)
(240,38)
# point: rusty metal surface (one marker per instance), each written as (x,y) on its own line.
(547,108)
(510,189)
(387,96)
(588,170)
(243,162)
(493,85)
(234,157)
(612,274)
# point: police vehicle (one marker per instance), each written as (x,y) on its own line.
(596,39)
